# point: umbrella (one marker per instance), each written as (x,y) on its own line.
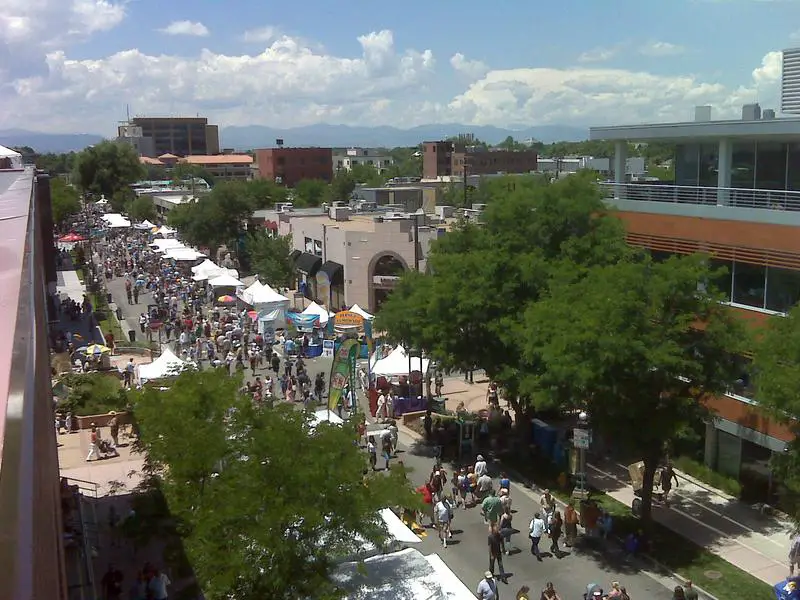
(97,349)
(72,237)
(252,314)
(226,299)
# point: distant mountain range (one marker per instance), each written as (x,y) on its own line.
(259,136)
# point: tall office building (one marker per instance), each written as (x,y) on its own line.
(790,82)
(181,136)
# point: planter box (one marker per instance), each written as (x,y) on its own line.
(85,422)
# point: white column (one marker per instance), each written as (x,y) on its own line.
(724,160)
(620,162)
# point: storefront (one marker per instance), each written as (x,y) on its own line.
(307,266)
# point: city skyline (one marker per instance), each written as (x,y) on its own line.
(74,66)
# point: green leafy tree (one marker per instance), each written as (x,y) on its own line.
(637,345)
(142,208)
(342,186)
(55,164)
(368,175)
(776,369)
(269,257)
(407,162)
(65,199)
(468,311)
(264,505)
(108,168)
(310,192)
(511,144)
(184,172)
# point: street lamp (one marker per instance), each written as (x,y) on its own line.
(581,439)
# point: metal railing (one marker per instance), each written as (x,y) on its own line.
(709,196)
(85,587)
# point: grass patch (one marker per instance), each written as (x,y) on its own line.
(680,555)
(709,476)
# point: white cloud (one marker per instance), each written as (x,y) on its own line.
(191,28)
(57,22)
(657,49)
(770,70)
(262,35)
(471,68)
(598,55)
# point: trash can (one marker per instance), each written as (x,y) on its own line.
(119,314)
(132,335)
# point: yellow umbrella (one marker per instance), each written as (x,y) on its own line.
(97,349)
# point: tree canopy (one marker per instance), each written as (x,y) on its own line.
(268,256)
(310,192)
(142,208)
(65,199)
(263,504)
(634,342)
(107,168)
(776,369)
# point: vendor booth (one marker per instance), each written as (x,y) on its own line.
(166,365)
(404,375)
(144,225)
(319,311)
(164,245)
(165,231)
(360,311)
(271,307)
(225,281)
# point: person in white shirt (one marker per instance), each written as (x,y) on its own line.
(536,531)
(442,512)
(480,466)
(157,586)
(380,412)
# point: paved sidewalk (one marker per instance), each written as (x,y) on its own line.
(755,543)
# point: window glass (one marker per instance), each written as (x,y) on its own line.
(748,284)
(770,166)
(707,171)
(783,289)
(660,256)
(793,168)
(686,164)
(744,385)
(722,277)
(743,165)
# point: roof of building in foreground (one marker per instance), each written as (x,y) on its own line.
(776,129)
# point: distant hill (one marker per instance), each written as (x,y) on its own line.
(259,136)
(48,142)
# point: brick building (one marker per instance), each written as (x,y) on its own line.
(448,159)
(287,166)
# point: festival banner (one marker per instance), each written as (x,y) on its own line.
(343,365)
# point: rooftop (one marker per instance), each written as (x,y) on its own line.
(776,129)
(219,159)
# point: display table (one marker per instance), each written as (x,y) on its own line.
(314,350)
(404,405)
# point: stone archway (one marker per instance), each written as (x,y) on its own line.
(384,270)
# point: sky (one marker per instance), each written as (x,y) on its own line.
(73,66)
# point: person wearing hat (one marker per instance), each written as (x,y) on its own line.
(487,588)
(113,426)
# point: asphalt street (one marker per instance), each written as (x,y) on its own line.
(467,552)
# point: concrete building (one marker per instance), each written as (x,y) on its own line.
(634,165)
(790,82)
(287,166)
(34,552)
(736,196)
(343,258)
(345,160)
(224,166)
(133,135)
(182,136)
(403,198)
(444,158)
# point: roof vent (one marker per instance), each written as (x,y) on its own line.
(702,114)
(751,112)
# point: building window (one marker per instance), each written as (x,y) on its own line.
(722,277)
(687,164)
(309,245)
(707,175)
(783,289)
(317,248)
(743,165)
(749,284)
(745,378)
(771,166)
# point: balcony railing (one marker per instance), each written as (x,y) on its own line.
(709,196)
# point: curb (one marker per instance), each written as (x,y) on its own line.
(535,489)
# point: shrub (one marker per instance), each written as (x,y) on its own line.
(93,394)
(707,475)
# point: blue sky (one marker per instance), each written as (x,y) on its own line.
(72,65)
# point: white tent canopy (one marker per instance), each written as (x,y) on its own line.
(319,311)
(266,295)
(144,225)
(183,254)
(225,280)
(205,266)
(164,245)
(164,230)
(166,365)
(404,575)
(271,307)
(115,220)
(247,293)
(396,363)
(324,415)
(14,156)
(360,311)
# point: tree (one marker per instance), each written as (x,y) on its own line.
(107,168)
(342,186)
(637,345)
(142,208)
(55,164)
(468,311)
(65,199)
(368,175)
(407,162)
(511,144)
(310,192)
(183,172)
(776,370)
(269,257)
(263,503)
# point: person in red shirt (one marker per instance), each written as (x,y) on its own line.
(427,498)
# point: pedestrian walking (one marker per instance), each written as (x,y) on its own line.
(535,532)
(495,542)
(93,438)
(571,520)
(487,588)
(444,514)
(556,526)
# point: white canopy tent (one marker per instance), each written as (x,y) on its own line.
(165,231)
(164,245)
(360,311)
(325,415)
(166,365)
(183,254)
(13,156)
(115,220)
(225,280)
(271,307)
(205,266)
(247,293)
(144,225)
(404,575)
(102,201)
(319,311)
(396,363)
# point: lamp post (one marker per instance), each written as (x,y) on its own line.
(581,439)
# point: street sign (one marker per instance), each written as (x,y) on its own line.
(581,438)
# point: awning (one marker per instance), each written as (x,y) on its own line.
(334,270)
(308,263)
(294,254)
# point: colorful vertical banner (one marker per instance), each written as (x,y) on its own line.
(344,363)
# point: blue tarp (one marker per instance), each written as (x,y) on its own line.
(788,589)
(303,322)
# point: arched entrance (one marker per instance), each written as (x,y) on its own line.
(384,272)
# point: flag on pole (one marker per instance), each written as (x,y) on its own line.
(344,362)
